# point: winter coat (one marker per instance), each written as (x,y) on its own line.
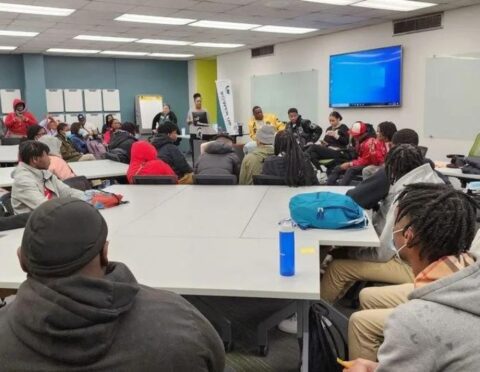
(67,149)
(277,166)
(161,118)
(18,126)
(122,140)
(171,154)
(79,143)
(218,159)
(144,162)
(370,152)
(341,138)
(304,131)
(252,164)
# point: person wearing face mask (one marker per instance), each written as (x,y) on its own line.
(18,121)
(67,149)
(35,132)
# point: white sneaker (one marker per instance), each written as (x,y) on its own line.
(289,325)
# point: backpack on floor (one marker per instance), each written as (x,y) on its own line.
(326,210)
(97,149)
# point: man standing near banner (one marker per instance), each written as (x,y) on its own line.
(258,120)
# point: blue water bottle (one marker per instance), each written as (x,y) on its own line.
(287,248)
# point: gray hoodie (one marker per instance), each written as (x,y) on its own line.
(438,329)
(108,324)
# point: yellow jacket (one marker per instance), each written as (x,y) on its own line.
(269,119)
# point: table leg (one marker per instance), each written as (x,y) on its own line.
(303,325)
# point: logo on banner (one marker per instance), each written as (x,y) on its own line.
(225,98)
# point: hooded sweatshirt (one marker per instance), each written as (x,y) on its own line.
(18,126)
(437,330)
(68,151)
(144,162)
(108,324)
(252,164)
(218,159)
(170,153)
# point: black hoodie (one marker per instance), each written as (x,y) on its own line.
(109,324)
(171,154)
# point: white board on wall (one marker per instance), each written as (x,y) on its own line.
(6,98)
(73,100)
(55,100)
(111,99)
(71,118)
(93,100)
(59,117)
(146,107)
(96,119)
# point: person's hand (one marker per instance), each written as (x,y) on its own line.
(362,365)
(345,166)
(330,133)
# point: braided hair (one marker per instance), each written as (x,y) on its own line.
(442,218)
(401,160)
(286,145)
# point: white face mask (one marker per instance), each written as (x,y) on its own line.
(397,251)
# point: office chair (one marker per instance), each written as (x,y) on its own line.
(155,180)
(262,179)
(226,179)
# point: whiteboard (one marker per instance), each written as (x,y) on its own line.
(54,100)
(73,100)
(92,99)
(6,98)
(71,118)
(278,92)
(146,107)
(111,99)
(96,119)
(59,117)
(452,101)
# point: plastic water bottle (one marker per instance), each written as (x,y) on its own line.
(287,248)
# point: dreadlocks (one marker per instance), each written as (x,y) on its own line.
(442,218)
(286,145)
(401,160)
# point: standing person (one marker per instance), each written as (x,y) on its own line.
(334,143)
(108,123)
(144,162)
(114,126)
(219,158)
(305,132)
(166,115)
(58,166)
(19,120)
(67,149)
(35,132)
(290,162)
(77,139)
(258,120)
(197,118)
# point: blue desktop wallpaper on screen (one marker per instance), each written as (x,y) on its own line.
(366,78)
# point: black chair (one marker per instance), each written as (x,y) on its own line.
(6,208)
(10,141)
(227,179)
(80,183)
(155,180)
(262,179)
(16,221)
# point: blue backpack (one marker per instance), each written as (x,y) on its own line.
(326,210)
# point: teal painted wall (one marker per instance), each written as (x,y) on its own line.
(11,72)
(34,76)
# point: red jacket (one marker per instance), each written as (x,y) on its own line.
(144,162)
(17,125)
(370,152)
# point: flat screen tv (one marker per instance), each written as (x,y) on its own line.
(369,78)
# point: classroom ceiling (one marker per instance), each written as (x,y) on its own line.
(96,17)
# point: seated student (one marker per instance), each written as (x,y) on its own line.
(67,149)
(90,313)
(305,132)
(252,163)
(114,126)
(437,329)
(218,158)
(258,120)
(370,152)
(91,128)
(77,139)
(58,166)
(122,140)
(34,132)
(144,162)
(164,142)
(33,184)
(108,123)
(334,143)
(385,132)
(50,125)
(290,162)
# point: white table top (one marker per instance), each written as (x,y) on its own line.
(90,169)
(8,153)
(457,173)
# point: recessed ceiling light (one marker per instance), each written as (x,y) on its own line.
(163,42)
(217,45)
(123,53)
(18,33)
(153,19)
(105,38)
(334,2)
(285,30)
(399,5)
(4,47)
(224,25)
(32,9)
(75,51)
(171,55)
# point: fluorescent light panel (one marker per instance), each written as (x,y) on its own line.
(334,2)
(163,42)
(123,53)
(33,9)
(224,25)
(153,19)
(18,33)
(170,55)
(105,38)
(217,45)
(74,51)
(399,5)
(285,30)
(4,47)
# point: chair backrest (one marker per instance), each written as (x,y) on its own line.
(79,182)
(9,141)
(6,208)
(223,179)
(475,150)
(155,180)
(423,150)
(262,179)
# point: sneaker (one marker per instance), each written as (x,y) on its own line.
(289,325)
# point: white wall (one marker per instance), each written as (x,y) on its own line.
(461,34)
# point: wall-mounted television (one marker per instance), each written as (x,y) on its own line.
(368,78)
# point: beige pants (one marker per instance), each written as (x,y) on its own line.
(365,328)
(87,157)
(187,179)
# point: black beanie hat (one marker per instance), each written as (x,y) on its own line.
(62,236)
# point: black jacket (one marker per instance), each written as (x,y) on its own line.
(13,222)
(218,159)
(343,137)
(277,166)
(161,118)
(171,154)
(122,140)
(304,131)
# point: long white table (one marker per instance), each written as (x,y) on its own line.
(210,241)
(8,153)
(90,169)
